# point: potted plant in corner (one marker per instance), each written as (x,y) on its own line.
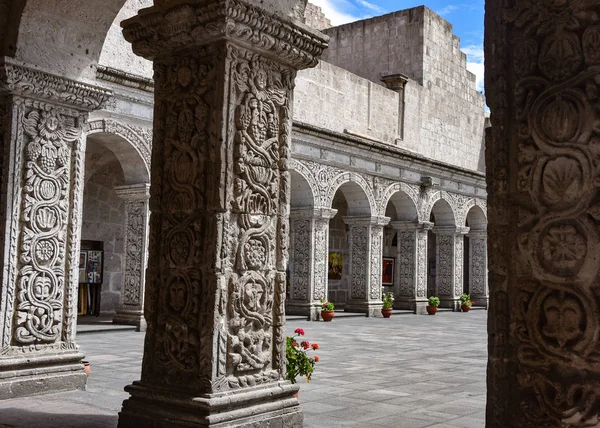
(465,302)
(388,302)
(327,310)
(433,303)
(298,363)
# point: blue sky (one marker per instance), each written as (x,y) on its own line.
(466,18)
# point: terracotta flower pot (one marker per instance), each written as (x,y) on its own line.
(431,310)
(386,312)
(465,308)
(327,315)
(86,367)
(296,395)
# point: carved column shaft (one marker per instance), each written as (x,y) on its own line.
(542,85)
(411,266)
(449,265)
(365,238)
(478,277)
(219,227)
(136,254)
(43,146)
(308,261)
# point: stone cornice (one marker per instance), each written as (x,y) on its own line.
(125,79)
(134,191)
(313,213)
(17,78)
(412,225)
(158,31)
(367,220)
(450,230)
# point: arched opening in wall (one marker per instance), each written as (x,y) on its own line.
(441,216)
(349,200)
(475,259)
(300,272)
(111,164)
(399,249)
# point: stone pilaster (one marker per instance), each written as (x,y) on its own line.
(214,353)
(449,265)
(365,238)
(542,85)
(131,311)
(42,119)
(478,275)
(308,261)
(410,288)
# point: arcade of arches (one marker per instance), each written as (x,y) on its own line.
(237,182)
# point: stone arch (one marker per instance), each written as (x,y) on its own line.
(302,194)
(404,200)
(476,218)
(442,207)
(131,149)
(468,206)
(303,180)
(61,37)
(356,190)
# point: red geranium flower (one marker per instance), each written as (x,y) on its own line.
(294,344)
(299,331)
(305,344)
(315,346)
(316,359)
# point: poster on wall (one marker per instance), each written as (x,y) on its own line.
(82,265)
(94,267)
(387,276)
(335,266)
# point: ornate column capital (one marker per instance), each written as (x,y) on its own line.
(482,234)
(367,221)
(313,213)
(19,79)
(412,225)
(134,191)
(168,27)
(450,230)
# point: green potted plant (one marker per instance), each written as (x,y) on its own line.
(388,302)
(327,312)
(433,303)
(465,302)
(298,363)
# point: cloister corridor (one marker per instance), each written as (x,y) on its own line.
(407,371)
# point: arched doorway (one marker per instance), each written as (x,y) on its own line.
(475,263)
(114,229)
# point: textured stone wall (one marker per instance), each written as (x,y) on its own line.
(315,17)
(104,220)
(116,53)
(443,112)
(330,97)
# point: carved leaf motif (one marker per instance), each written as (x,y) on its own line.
(562,181)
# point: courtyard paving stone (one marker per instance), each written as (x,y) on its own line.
(406,372)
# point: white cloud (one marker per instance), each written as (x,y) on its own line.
(475,63)
(333,10)
(448,9)
(371,6)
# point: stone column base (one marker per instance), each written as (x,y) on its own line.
(260,407)
(43,374)
(481,300)
(312,311)
(417,306)
(451,303)
(370,309)
(134,317)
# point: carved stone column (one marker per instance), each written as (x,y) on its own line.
(136,255)
(308,261)
(214,353)
(449,265)
(42,118)
(365,239)
(410,286)
(543,174)
(478,277)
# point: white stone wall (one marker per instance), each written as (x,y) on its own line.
(332,98)
(315,18)
(116,52)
